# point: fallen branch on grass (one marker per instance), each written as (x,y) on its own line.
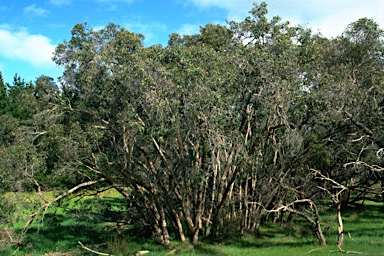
(93,251)
(174,251)
(315,250)
(15,251)
(45,206)
(347,252)
(140,253)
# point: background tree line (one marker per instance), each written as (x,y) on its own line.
(205,136)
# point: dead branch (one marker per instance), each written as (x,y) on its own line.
(140,253)
(338,197)
(284,207)
(46,205)
(347,252)
(39,134)
(15,251)
(380,153)
(102,127)
(341,188)
(359,139)
(174,251)
(364,128)
(93,251)
(372,167)
(323,177)
(9,234)
(159,150)
(37,185)
(315,250)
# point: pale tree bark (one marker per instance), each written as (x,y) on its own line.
(340,229)
(220,206)
(338,197)
(314,220)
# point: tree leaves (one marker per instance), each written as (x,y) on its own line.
(201,127)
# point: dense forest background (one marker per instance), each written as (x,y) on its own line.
(208,134)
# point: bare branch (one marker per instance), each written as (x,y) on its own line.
(93,251)
(37,185)
(46,205)
(380,153)
(373,167)
(323,177)
(364,128)
(359,139)
(159,150)
(347,252)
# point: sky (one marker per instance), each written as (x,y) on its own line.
(31,29)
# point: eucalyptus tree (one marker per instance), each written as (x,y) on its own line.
(214,130)
(348,94)
(159,121)
(272,86)
(362,51)
(346,135)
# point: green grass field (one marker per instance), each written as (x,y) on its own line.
(79,219)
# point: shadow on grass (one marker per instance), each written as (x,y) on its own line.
(91,221)
(200,249)
(250,241)
(52,235)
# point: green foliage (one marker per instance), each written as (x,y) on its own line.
(212,129)
(22,104)
(3,96)
(214,36)
(263,98)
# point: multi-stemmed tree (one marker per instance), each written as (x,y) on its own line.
(208,134)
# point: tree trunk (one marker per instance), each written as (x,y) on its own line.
(179,227)
(319,233)
(219,208)
(213,196)
(340,227)
(315,223)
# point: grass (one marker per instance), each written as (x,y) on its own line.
(79,219)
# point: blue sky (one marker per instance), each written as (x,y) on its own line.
(30,29)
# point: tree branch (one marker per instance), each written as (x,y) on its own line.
(46,205)
(93,251)
(364,128)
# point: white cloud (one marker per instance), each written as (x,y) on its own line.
(60,2)
(5,27)
(188,29)
(149,30)
(35,11)
(330,17)
(34,49)
(334,24)
(336,21)
(237,10)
